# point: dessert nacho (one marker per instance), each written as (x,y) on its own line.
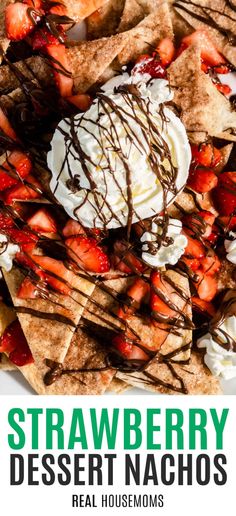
(118,195)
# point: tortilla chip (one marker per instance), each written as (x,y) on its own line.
(196,377)
(79,9)
(105,21)
(89,59)
(220,22)
(4,41)
(133,13)
(5,364)
(227,275)
(118,386)
(147,34)
(203,109)
(34,68)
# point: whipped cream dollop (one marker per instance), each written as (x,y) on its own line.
(7,253)
(220,360)
(170,251)
(230,247)
(112,164)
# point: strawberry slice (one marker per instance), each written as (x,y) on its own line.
(214,235)
(88,254)
(209,53)
(18,164)
(81,101)
(7,344)
(224,196)
(20,20)
(23,192)
(22,238)
(229,222)
(224,88)
(195,248)
(200,222)
(27,290)
(14,342)
(160,294)
(207,287)
(210,264)
(151,66)
(42,221)
(56,267)
(6,127)
(58,8)
(42,37)
(192,263)
(137,292)
(203,306)
(37,4)
(125,261)
(73,228)
(127,349)
(206,155)
(166,51)
(6,221)
(202,180)
(60,64)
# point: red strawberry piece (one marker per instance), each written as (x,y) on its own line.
(23,192)
(22,237)
(42,37)
(160,295)
(206,155)
(124,260)
(222,69)
(7,343)
(192,263)
(209,53)
(6,127)
(200,222)
(207,287)
(62,73)
(17,164)
(151,66)
(202,180)
(195,248)
(27,290)
(210,264)
(137,292)
(81,101)
(166,51)
(223,88)
(227,222)
(37,4)
(203,306)
(20,20)
(24,259)
(20,354)
(42,221)
(73,228)
(127,348)
(59,9)
(88,254)
(6,221)
(214,235)
(57,268)
(224,195)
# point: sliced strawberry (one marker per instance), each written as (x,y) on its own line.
(210,264)
(6,127)
(224,88)
(7,343)
(37,4)
(124,260)
(58,8)
(214,235)
(137,292)
(203,306)
(23,192)
(202,180)
(151,66)
(206,155)
(192,263)
(17,163)
(42,37)
(207,287)
(224,195)
(81,101)
(195,248)
(166,51)
(160,295)
(127,349)
(62,73)
(27,290)
(22,237)
(209,53)
(222,69)
(88,254)
(20,20)
(200,222)
(20,354)
(56,267)
(228,222)
(6,221)
(42,221)
(73,228)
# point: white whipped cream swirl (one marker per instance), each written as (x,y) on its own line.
(221,362)
(230,246)
(7,253)
(127,146)
(168,253)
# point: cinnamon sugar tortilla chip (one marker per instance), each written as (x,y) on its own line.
(227,275)
(147,34)
(79,9)
(219,19)
(88,60)
(47,336)
(34,68)
(118,386)
(133,13)
(203,109)
(105,21)
(196,377)
(5,364)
